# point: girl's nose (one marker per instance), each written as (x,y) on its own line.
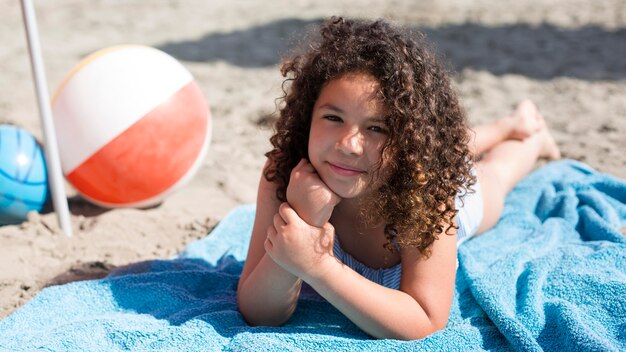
(351,142)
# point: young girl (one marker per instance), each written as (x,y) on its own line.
(371,183)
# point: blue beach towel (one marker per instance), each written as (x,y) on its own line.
(550,276)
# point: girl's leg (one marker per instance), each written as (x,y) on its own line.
(522,123)
(505,165)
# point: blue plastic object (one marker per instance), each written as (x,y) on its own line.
(23,176)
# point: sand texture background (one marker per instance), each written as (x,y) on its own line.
(569,56)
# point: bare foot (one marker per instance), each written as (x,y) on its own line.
(549,148)
(525,121)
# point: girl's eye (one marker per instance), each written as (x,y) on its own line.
(332,118)
(378,129)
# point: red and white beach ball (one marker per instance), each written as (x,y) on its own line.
(132,126)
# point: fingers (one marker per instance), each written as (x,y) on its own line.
(328,239)
(328,227)
(308,167)
(287,213)
(299,165)
(278,221)
(269,240)
(281,219)
(304,166)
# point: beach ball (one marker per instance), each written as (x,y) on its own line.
(132,126)
(23,178)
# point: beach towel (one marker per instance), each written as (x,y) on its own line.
(550,276)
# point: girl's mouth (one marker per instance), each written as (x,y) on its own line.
(343,170)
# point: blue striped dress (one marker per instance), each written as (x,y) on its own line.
(388,277)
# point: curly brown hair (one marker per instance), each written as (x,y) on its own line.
(426,154)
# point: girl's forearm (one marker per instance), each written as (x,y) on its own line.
(269,294)
(379,311)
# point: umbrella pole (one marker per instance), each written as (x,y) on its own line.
(55,175)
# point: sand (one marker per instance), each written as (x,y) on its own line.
(568,56)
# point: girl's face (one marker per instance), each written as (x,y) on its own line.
(347,134)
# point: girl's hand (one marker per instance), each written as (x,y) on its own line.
(298,247)
(309,196)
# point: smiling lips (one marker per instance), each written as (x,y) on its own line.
(345,170)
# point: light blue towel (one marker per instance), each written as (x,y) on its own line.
(551,275)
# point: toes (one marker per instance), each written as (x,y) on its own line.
(541,122)
(550,147)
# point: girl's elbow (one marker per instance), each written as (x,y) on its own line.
(437,321)
(261,320)
(254,316)
(422,332)
(431,329)
(438,326)
(253,320)
(419,334)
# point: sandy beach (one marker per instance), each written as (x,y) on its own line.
(567,56)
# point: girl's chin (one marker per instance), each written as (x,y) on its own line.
(345,190)
(344,193)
